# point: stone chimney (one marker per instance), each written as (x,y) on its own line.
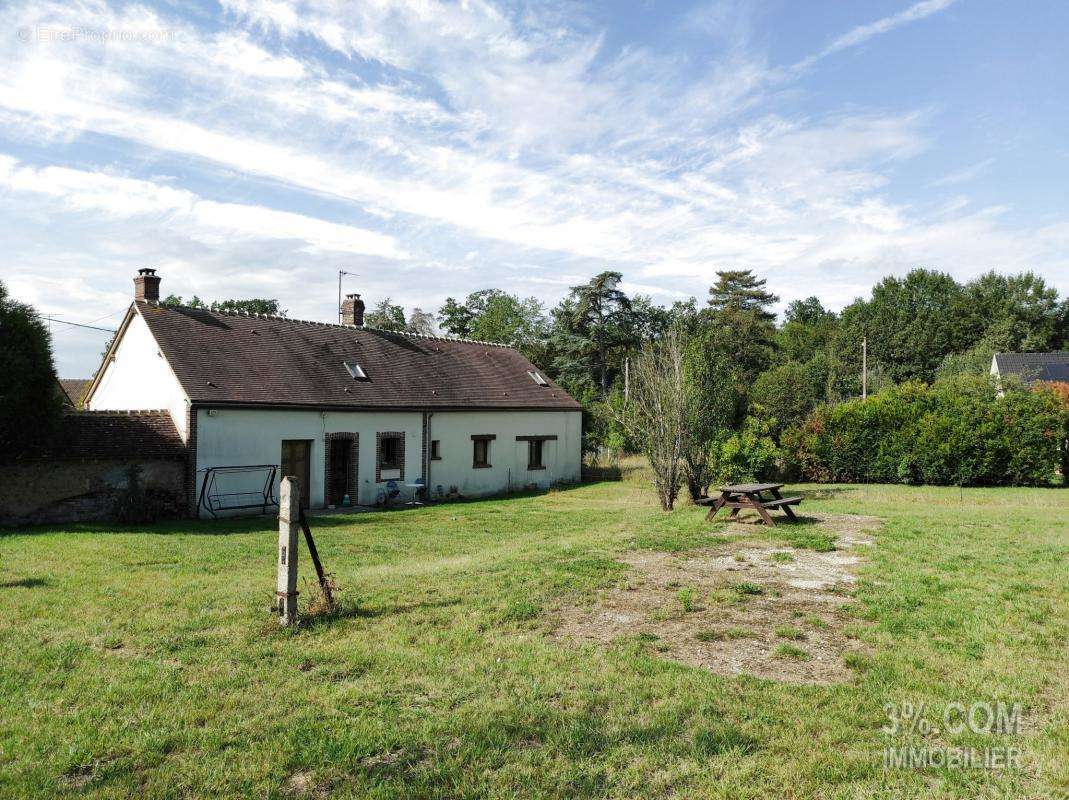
(147,285)
(352,311)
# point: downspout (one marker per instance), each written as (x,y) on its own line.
(427,439)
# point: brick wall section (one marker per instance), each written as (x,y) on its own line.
(191,460)
(352,474)
(378,454)
(80,490)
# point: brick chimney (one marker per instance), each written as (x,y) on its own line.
(352,310)
(147,285)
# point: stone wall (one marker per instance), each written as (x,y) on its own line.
(82,490)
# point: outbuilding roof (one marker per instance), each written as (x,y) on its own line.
(114,435)
(1034,366)
(74,389)
(225,358)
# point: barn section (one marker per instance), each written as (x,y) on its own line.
(82,471)
(346,409)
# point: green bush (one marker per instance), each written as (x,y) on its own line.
(749,454)
(955,432)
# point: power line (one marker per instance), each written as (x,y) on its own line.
(79,325)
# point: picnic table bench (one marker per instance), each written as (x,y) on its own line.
(759,497)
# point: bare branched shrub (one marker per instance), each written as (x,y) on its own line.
(655,415)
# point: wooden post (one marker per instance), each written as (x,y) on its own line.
(289,518)
(324,584)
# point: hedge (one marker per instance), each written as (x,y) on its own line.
(960,431)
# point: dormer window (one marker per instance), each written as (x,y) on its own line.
(537,378)
(356,371)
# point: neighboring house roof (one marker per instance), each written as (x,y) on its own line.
(115,434)
(230,358)
(74,389)
(1034,366)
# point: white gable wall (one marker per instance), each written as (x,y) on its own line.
(246,437)
(138,377)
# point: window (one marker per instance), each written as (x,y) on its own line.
(436,450)
(390,452)
(537,378)
(536,446)
(481,450)
(534,454)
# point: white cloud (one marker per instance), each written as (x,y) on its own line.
(467,142)
(205,220)
(965,174)
(862,33)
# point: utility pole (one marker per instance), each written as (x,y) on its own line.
(864,367)
(289,514)
(340,273)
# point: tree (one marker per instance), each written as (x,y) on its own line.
(911,323)
(254,305)
(176,301)
(1013,312)
(599,313)
(711,409)
(809,311)
(420,321)
(742,322)
(386,316)
(456,318)
(492,315)
(784,396)
(30,401)
(655,414)
(739,290)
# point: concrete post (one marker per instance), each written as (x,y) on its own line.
(289,510)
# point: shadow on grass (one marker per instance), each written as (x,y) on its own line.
(751,518)
(24,583)
(354,610)
(267,523)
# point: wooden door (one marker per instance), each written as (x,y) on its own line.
(297,462)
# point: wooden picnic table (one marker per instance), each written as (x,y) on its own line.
(740,496)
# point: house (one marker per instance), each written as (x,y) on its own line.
(1031,367)
(345,408)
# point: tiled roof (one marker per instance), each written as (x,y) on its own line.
(74,388)
(222,358)
(115,434)
(1034,366)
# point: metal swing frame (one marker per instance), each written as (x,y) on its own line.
(214,501)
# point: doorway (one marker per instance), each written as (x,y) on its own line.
(341,468)
(297,462)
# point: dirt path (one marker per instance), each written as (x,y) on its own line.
(747,606)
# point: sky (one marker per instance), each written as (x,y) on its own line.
(255,147)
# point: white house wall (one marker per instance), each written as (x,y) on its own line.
(139,378)
(245,437)
(508,457)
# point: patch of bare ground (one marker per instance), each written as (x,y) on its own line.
(304,784)
(750,606)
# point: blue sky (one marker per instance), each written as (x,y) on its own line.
(254,147)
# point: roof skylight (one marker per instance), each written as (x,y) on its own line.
(537,378)
(356,371)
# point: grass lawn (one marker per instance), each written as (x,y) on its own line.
(146,661)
